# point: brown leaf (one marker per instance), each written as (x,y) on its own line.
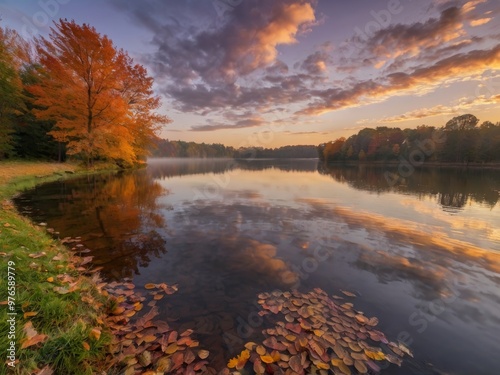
(189,357)
(203,353)
(86,345)
(29,331)
(149,338)
(46,371)
(33,341)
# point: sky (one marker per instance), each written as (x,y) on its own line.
(285,72)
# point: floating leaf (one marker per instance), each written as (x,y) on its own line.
(149,338)
(377,356)
(164,365)
(118,310)
(150,286)
(203,354)
(250,345)
(172,348)
(266,359)
(348,294)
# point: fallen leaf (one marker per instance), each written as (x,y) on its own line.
(95,333)
(86,345)
(33,341)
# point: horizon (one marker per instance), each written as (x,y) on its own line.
(249,73)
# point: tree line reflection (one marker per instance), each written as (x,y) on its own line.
(452,187)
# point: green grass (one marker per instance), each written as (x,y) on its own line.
(67,319)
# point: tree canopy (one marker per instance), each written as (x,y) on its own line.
(460,141)
(101,103)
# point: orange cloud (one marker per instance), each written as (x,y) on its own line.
(479,22)
(258,47)
(460,67)
(471,5)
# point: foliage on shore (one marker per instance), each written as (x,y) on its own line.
(460,140)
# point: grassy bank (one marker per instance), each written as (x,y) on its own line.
(58,313)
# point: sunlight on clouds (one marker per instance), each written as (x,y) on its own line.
(479,22)
(471,5)
(281,30)
(462,105)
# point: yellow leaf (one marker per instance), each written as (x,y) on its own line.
(322,365)
(138,306)
(50,279)
(245,354)
(377,356)
(118,310)
(86,345)
(150,286)
(31,313)
(239,361)
(232,362)
(171,349)
(95,333)
(266,359)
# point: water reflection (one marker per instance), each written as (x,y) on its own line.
(280,225)
(116,215)
(452,187)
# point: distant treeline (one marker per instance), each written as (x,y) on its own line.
(164,148)
(460,140)
(181,149)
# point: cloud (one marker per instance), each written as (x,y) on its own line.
(401,39)
(235,64)
(246,123)
(462,105)
(305,133)
(479,22)
(317,62)
(459,67)
(246,42)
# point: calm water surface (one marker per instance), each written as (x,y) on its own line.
(423,255)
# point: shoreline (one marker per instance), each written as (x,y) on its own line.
(53,309)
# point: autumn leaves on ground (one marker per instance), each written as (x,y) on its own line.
(59,313)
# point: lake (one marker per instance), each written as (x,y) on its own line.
(422,255)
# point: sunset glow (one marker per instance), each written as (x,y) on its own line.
(272,73)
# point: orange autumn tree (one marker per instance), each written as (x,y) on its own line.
(102,104)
